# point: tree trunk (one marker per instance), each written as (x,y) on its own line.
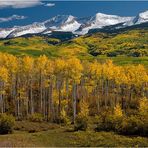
(31,98)
(74,102)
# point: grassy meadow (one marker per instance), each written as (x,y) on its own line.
(129,47)
(53,135)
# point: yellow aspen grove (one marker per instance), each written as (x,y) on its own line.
(3,80)
(41,67)
(58,90)
(60,67)
(28,79)
(74,68)
(13,66)
(49,91)
(94,80)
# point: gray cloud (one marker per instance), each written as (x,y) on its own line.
(11,18)
(20,3)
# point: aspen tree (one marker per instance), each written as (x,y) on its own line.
(49,99)
(41,64)
(75,72)
(28,71)
(3,80)
(94,76)
(60,67)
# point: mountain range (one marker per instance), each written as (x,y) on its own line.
(74,25)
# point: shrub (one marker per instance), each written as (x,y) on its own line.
(64,118)
(131,126)
(102,120)
(6,123)
(143,107)
(82,118)
(144,128)
(36,117)
(112,54)
(109,124)
(133,123)
(131,112)
(84,109)
(109,121)
(80,123)
(138,52)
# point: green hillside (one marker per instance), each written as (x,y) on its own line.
(126,47)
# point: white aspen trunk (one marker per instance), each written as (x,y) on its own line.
(41,94)
(1,98)
(74,102)
(31,98)
(51,101)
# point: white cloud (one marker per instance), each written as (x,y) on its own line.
(20,3)
(50,4)
(11,18)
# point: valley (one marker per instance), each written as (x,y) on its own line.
(126,47)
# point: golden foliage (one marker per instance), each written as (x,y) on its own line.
(143,106)
(118,111)
(84,109)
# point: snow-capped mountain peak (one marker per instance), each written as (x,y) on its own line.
(62,23)
(6,31)
(56,21)
(101,20)
(144,15)
(104,19)
(70,18)
(69,23)
(29,29)
(141,18)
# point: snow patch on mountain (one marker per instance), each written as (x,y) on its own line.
(70,25)
(5,32)
(141,18)
(62,23)
(29,29)
(101,20)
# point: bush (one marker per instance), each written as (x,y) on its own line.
(102,119)
(112,54)
(64,118)
(82,118)
(108,121)
(143,107)
(36,117)
(80,123)
(144,128)
(131,126)
(133,123)
(6,123)
(138,53)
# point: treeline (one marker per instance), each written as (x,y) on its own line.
(60,89)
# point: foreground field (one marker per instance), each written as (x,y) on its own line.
(61,136)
